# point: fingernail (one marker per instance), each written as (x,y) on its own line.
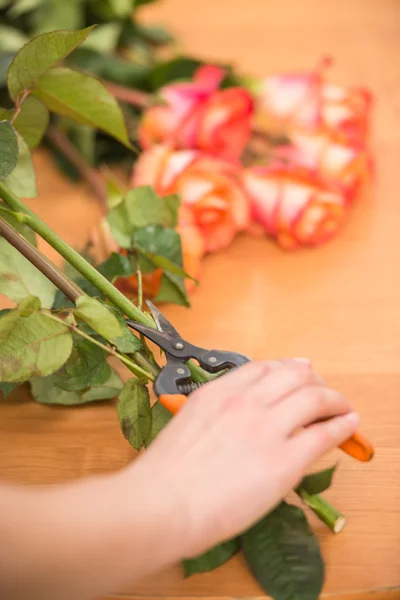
(305,361)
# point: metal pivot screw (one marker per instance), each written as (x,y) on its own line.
(212,359)
(178,346)
(180,371)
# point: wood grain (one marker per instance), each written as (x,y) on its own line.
(338,305)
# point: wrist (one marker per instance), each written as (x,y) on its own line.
(149,501)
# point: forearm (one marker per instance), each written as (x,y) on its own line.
(85,539)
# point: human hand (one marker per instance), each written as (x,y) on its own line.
(240,444)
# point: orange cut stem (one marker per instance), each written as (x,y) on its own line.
(359,447)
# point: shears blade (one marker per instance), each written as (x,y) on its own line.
(162,322)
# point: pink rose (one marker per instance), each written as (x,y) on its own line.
(212,197)
(197,114)
(307,101)
(344,165)
(293,205)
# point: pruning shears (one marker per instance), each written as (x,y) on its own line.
(174,383)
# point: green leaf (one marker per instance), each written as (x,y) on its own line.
(172,289)
(7,388)
(154,34)
(29,305)
(212,559)
(115,191)
(158,240)
(134,413)
(112,9)
(179,68)
(39,55)
(59,15)
(20,7)
(34,345)
(160,417)
(161,246)
(116,265)
(110,67)
(109,390)
(284,556)
(5,61)
(98,317)
(127,342)
(23,229)
(22,180)
(316,483)
(82,98)
(32,121)
(140,208)
(19,278)
(104,38)
(8,149)
(45,391)
(11,38)
(86,366)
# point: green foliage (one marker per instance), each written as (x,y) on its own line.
(9,149)
(87,366)
(116,265)
(284,556)
(127,342)
(45,391)
(39,55)
(31,345)
(141,207)
(317,482)
(160,417)
(212,559)
(22,180)
(82,98)
(98,317)
(7,388)
(32,121)
(172,289)
(134,413)
(144,223)
(19,278)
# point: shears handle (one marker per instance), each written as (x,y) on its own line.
(358,446)
(173,402)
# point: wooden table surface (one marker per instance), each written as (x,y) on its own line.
(339,305)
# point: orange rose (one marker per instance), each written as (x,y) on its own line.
(208,187)
(293,205)
(197,114)
(307,101)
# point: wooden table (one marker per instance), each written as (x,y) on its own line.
(339,305)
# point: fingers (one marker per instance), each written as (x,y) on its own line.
(308,405)
(312,442)
(281,382)
(239,381)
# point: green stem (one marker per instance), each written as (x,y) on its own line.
(74,258)
(138,371)
(147,362)
(327,513)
